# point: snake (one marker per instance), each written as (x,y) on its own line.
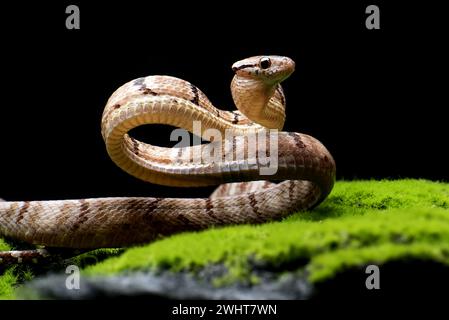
(304,175)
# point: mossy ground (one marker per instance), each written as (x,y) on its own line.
(361,222)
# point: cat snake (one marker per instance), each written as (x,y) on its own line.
(305,169)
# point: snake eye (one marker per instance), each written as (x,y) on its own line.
(265,63)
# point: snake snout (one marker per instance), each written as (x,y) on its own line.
(286,66)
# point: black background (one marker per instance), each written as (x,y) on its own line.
(375,98)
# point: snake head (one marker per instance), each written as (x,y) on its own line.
(272,69)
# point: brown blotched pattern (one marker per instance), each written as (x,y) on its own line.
(305,169)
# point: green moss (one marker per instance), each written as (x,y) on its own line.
(355,197)
(364,220)
(4,246)
(283,243)
(8,278)
(361,222)
(7,282)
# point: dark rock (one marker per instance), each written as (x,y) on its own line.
(168,285)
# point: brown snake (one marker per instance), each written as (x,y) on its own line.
(305,167)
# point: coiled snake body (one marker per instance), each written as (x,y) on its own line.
(305,167)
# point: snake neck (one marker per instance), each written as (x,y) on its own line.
(261,102)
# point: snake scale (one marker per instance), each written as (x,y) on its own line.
(305,174)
